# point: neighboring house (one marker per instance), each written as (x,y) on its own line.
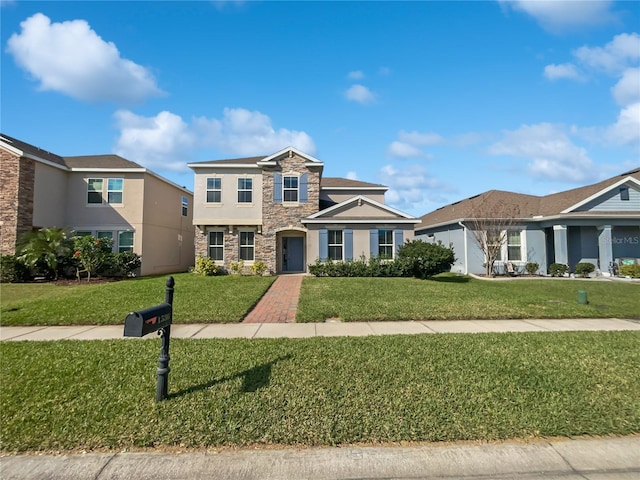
(101,195)
(278,209)
(598,223)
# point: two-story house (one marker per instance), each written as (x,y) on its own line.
(100,195)
(278,209)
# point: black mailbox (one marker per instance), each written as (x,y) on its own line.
(143,322)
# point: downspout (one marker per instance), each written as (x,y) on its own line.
(466,264)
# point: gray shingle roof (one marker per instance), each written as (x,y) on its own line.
(100,161)
(29,149)
(336,182)
(524,206)
(240,161)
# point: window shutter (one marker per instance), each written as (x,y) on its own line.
(373,242)
(277,188)
(323,244)
(399,238)
(303,188)
(348,244)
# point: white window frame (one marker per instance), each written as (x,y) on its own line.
(115,191)
(216,246)
(385,245)
(126,247)
(245,190)
(252,245)
(332,243)
(213,190)
(90,190)
(288,189)
(510,246)
(185,206)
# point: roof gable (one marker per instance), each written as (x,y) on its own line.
(309,160)
(603,195)
(360,209)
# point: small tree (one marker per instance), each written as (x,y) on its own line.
(489,224)
(423,260)
(47,246)
(92,253)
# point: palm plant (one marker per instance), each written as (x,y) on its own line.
(47,246)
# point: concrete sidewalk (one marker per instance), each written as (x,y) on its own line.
(594,459)
(327,329)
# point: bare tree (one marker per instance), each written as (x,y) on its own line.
(489,223)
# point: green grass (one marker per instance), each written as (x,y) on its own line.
(454,298)
(196,299)
(320,391)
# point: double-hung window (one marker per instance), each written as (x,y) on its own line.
(216,245)
(114,190)
(185,206)
(125,241)
(214,190)
(247,246)
(245,190)
(94,190)
(514,246)
(335,244)
(290,189)
(385,244)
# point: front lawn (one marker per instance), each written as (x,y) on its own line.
(196,299)
(319,391)
(450,297)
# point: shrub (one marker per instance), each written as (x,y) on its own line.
(632,271)
(12,270)
(236,267)
(423,260)
(584,269)
(126,263)
(258,268)
(205,266)
(531,268)
(558,269)
(44,250)
(93,254)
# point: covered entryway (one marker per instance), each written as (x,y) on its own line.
(292,254)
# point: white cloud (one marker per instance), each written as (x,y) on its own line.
(384,71)
(403,150)
(161,142)
(626,130)
(565,70)
(360,94)
(420,139)
(245,132)
(627,90)
(551,153)
(71,58)
(559,16)
(352,175)
(356,75)
(411,188)
(614,57)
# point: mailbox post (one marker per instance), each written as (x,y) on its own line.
(155,319)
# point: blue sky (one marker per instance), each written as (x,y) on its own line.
(438,100)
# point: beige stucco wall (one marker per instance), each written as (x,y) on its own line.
(49,196)
(339,196)
(229,211)
(167,237)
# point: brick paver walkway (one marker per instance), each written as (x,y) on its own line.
(279,304)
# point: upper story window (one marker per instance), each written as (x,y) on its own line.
(245,190)
(290,188)
(385,243)
(94,190)
(335,244)
(214,190)
(114,190)
(185,206)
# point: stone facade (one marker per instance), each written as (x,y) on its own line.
(17,178)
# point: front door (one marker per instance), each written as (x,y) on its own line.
(293,254)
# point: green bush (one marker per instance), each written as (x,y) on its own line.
(205,266)
(13,270)
(632,271)
(258,268)
(558,269)
(532,268)
(584,269)
(94,254)
(126,264)
(423,260)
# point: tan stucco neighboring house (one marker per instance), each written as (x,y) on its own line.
(101,195)
(278,209)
